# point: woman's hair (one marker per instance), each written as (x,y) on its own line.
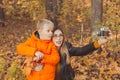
(63,48)
(44,22)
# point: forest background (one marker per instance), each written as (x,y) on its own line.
(18,19)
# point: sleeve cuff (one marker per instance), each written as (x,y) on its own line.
(96,45)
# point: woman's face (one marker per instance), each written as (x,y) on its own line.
(58,38)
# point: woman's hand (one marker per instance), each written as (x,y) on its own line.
(102,40)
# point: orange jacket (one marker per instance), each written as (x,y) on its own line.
(51,57)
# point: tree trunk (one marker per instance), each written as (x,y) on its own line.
(96,16)
(53,8)
(2,16)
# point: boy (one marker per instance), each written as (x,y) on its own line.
(39,43)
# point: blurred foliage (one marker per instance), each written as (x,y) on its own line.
(74,11)
(10,71)
(111,14)
(2,65)
(14,72)
(73,17)
(21,9)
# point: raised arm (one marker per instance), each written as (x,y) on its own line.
(81,51)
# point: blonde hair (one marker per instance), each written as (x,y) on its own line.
(64,50)
(44,22)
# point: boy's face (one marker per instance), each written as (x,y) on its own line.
(46,32)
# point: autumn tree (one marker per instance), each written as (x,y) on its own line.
(53,8)
(96,14)
(2,16)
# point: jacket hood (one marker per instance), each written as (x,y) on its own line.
(36,36)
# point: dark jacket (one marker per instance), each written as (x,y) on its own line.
(81,51)
(66,71)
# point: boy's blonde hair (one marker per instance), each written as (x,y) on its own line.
(44,22)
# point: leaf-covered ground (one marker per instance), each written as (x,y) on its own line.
(99,65)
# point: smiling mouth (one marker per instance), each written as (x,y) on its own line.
(58,42)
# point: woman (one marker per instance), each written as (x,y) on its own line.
(66,50)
